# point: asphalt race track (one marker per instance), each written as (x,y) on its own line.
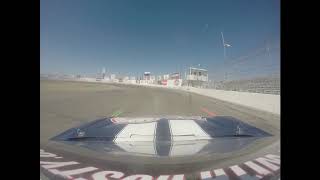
(64,105)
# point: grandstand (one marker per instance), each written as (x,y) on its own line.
(256,70)
(266,85)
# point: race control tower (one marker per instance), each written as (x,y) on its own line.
(197,77)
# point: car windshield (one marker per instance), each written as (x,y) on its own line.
(159,89)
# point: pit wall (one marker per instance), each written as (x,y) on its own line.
(264,102)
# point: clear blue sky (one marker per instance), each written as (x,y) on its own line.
(162,36)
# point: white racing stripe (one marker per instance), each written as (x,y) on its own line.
(183,148)
(137,132)
(139,147)
(185,130)
(134,120)
(142,146)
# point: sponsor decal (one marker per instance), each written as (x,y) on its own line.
(259,168)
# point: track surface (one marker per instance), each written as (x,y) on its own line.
(64,105)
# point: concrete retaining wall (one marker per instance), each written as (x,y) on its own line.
(265,102)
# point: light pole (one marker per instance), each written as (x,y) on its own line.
(224,53)
(224,47)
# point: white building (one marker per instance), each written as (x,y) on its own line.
(152,78)
(197,77)
(146,75)
(166,76)
(175,76)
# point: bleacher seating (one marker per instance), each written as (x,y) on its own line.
(267,85)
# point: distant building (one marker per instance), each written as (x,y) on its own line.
(148,78)
(152,78)
(197,77)
(166,76)
(146,75)
(175,76)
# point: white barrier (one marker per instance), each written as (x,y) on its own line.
(174,82)
(264,102)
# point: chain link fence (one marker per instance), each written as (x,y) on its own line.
(257,71)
